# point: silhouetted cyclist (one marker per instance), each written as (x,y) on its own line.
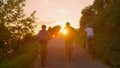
(43,39)
(69,40)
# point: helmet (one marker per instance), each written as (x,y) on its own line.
(87,25)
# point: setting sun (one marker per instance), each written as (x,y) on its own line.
(64,31)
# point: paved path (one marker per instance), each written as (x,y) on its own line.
(58,59)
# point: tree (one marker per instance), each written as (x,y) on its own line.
(54,30)
(106,23)
(87,16)
(14,25)
(100,5)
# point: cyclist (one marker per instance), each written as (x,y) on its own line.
(69,40)
(43,39)
(89,39)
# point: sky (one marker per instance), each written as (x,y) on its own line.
(56,12)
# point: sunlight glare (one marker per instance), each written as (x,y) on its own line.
(64,31)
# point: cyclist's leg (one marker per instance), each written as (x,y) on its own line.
(87,46)
(70,54)
(46,50)
(43,54)
(69,51)
(66,47)
(84,46)
(92,48)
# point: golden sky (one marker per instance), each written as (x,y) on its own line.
(57,12)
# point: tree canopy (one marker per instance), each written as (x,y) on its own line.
(104,16)
(14,24)
(54,30)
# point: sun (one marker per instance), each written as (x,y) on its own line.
(64,31)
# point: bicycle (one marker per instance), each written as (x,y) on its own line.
(69,49)
(90,47)
(43,53)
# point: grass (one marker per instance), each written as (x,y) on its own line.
(25,57)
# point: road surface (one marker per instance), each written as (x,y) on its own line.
(58,59)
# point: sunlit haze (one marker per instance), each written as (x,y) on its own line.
(56,12)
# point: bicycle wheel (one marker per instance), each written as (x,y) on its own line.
(43,55)
(43,58)
(69,55)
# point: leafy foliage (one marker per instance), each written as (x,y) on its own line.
(104,19)
(14,25)
(25,56)
(54,30)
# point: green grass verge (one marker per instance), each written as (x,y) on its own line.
(25,57)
